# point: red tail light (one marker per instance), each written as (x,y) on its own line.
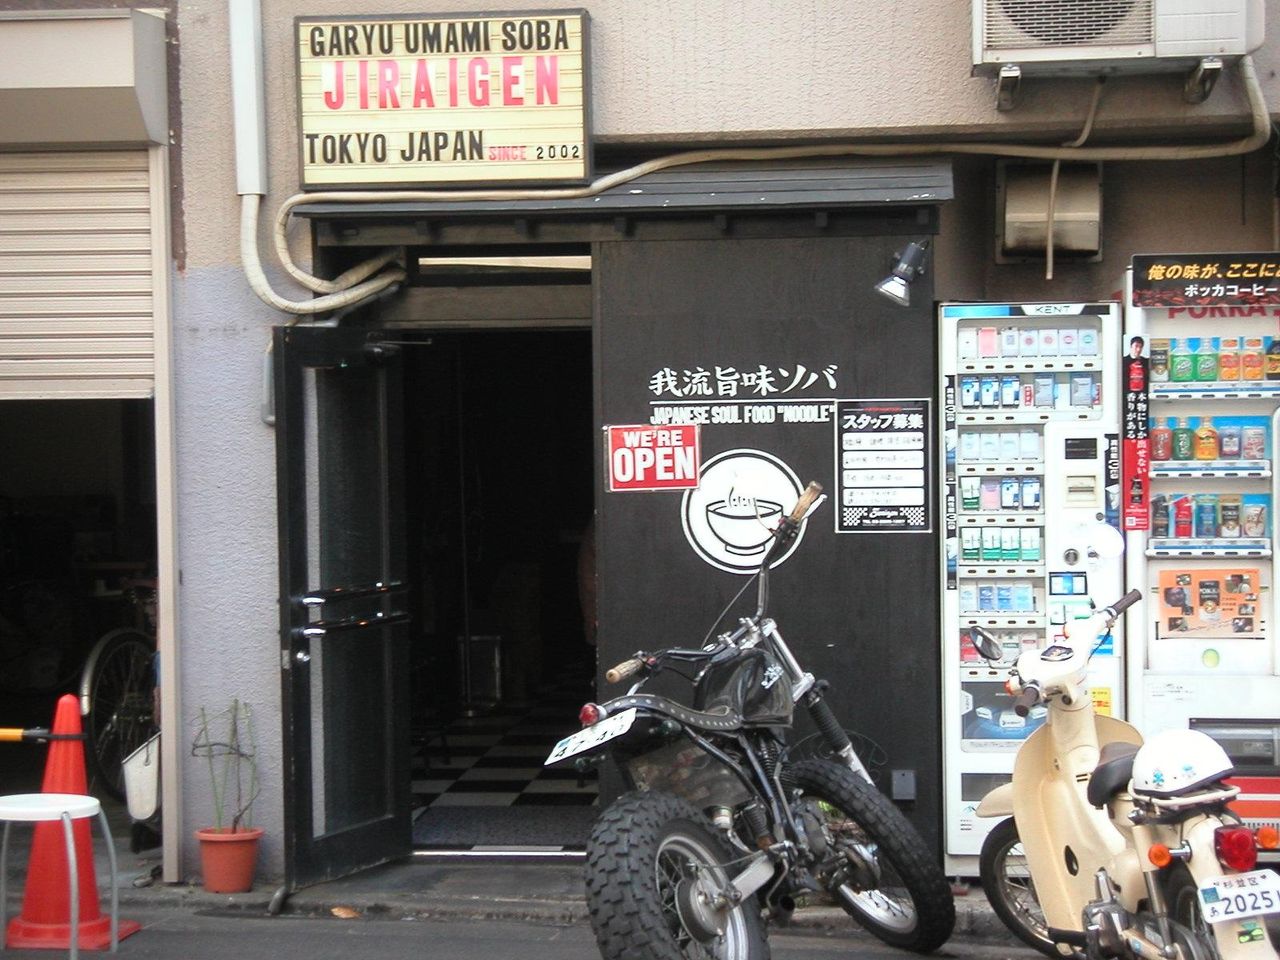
(589,714)
(1235,848)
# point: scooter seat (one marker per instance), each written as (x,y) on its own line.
(1113,772)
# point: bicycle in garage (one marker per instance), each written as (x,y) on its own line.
(119,700)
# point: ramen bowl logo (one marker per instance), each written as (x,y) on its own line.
(741,497)
(743,524)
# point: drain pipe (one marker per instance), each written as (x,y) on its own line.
(248,92)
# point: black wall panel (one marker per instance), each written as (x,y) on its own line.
(859,609)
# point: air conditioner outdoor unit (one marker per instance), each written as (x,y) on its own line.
(1094,37)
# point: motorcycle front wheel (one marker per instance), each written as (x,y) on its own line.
(893,888)
(1009,886)
(653,868)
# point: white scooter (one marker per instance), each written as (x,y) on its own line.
(1118,848)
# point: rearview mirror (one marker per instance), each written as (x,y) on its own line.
(987,645)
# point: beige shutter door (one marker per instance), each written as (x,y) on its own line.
(76,303)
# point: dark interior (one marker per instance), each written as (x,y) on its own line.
(498,429)
(77,524)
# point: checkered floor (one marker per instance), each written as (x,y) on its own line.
(495,760)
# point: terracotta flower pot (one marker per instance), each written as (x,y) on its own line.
(228,859)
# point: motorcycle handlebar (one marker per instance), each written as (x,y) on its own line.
(1025,700)
(1125,602)
(811,493)
(623,670)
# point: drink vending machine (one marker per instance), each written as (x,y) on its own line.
(1199,514)
(1031,454)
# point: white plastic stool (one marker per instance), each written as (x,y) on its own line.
(38,807)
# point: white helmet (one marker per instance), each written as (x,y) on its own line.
(1176,762)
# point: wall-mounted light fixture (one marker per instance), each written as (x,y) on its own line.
(909,265)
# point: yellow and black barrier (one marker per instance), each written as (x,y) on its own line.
(34,735)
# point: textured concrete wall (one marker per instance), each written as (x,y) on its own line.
(228,624)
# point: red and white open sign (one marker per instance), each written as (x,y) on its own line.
(654,458)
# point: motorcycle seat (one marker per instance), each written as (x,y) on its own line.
(718,720)
(1113,772)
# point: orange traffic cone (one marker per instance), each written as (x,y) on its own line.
(46,912)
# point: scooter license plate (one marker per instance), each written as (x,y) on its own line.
(592,736)
(1240,895)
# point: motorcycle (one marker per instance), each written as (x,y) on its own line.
(1118,847)
(721,820)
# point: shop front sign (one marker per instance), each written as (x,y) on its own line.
(413,101)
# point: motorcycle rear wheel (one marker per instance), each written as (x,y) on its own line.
(911,904)
(1192,933)
(646,855)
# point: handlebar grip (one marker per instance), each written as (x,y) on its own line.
(623,670)
(811,493)
(1125,602)
(1025,700)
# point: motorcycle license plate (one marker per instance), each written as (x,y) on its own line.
(1240,895)
(592,736)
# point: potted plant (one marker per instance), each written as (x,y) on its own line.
(229,848)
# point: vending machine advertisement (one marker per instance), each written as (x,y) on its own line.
(1032,501)
(1200,539)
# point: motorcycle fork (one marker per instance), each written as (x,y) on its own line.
(804,688)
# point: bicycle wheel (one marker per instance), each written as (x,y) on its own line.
(117,701)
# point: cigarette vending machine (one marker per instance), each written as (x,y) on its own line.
(1199,471)
(1030,447)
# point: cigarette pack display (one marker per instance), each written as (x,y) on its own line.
(1030,544)
(1010,391)
(988,342)
(1009,342)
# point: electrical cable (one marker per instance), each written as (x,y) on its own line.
(353,287)
(1053,175)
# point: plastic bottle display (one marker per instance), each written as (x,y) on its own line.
(1181,364)
(1273,360)
(1182,514)
(1205,361)
(1162,442)
(1252,366)
(1206,440)
(1160,516)
(1183,441)
(1229,358)
(1206,515)
(1230,439)
(1159,361)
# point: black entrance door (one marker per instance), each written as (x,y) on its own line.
(344,621)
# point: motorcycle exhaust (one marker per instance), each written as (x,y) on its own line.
(780,913)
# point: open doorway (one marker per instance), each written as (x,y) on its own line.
(77,569)
(499,455)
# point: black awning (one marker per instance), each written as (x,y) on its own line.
(697,188)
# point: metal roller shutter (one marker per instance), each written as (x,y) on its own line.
(76,292)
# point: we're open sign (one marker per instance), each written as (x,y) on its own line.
(653,458)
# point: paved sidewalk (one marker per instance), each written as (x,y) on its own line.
(422,888)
